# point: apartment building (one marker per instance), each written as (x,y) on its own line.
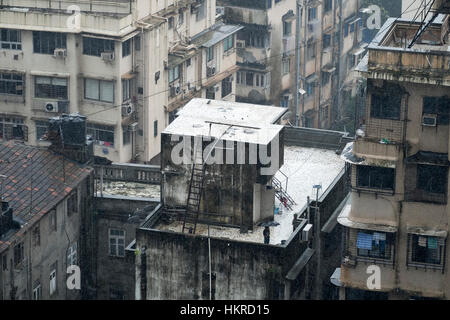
(397,215)
(116,61)
(45,225)
(330,33)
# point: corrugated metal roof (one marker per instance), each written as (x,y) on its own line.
(36,180)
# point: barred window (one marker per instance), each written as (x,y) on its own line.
(10,39)
(101,134)
(432,178)
(375,177)
(385,106)
(438,106)
(46,42)
(374,244)
(95,46)
(11,83)
(41,129)
(426,249)
(13,128)
(52,88)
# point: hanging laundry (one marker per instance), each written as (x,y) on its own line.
(422,241)
(364,241)
(432,243)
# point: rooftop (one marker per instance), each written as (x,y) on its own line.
(228,121)
(303,167)
(36,181)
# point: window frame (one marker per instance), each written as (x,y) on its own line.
(388,246)
(116,237)
(99,89)
(126,48)
(12,81)
(377,172)
(44,38)
(95,46)
(97,130)
(380,111)
(52,88)
(413,244)
(6,43)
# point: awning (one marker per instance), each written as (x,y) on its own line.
(328,68)
(128,75)
(336,277)
(426,232)
(345,220)
(289,16)
(348,156)
(427,157)
(211,37)
(358,51)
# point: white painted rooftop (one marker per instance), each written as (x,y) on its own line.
(232,121)
(304,167)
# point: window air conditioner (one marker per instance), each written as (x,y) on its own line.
(429,120)
(107,56)
(60,53)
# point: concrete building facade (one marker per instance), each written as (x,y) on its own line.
(112,61)
(397,215)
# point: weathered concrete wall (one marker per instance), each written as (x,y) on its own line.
(177,266)
(117,273)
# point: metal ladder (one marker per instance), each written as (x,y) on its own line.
(191,213)
(281,194)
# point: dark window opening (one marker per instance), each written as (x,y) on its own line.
(95,47)
(375,177)
(385,106)
(438,106)
(47,42)
(426,249)
(226,86)
(432,178)
(374,244)
(126,48)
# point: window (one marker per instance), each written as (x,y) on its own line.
(11,83)
(311,51)
(95,46)
(426,249)
(188,62)
(137,43)
(36,236)
(101,134)
(259,80)
(41,129)
(374,244)
(435,105)
(385,106)
(126,136)
(269,4)
(375,177)
(12,128)
(180,17)
(10,39)
(312,14)
(228,43)
(126,48)
(200,13)
(226,86)
(285,101)
(326,42)
(72,255)
(325,78)
(53,279)
(126,90)
(170,22)
(287,28)
(309,88)
(116,242)
(52,220)
(249,78)
(211,93)
(99,90)
(47,42)
(174,73)
(286,66)
(257,40)
(18,254)
(37,291)
(346,27)
(432,178)
(52,88)
(155,128)
(328,5)
(240,77)
(209,53)
(72,202)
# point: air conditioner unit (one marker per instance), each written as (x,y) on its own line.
(210,71)
(240,43)
(60,53)
(429,120)
(51,106)
(307,232)
(127,109)
(107,56)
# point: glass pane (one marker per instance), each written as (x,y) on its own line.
(107,91)
(91,89)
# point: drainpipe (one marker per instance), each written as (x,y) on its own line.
(297,60)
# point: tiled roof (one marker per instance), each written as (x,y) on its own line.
(36,180)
